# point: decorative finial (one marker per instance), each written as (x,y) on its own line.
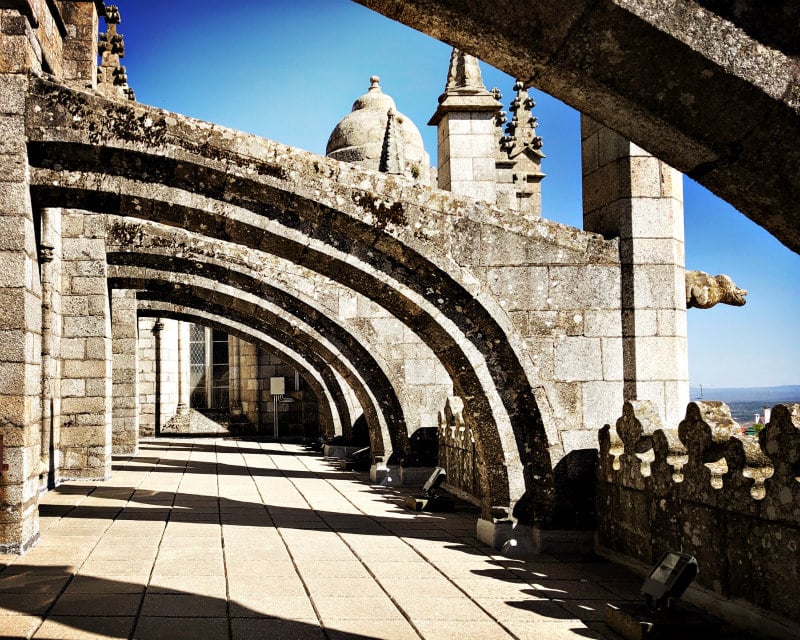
(112,79)
(112,14)
(500,117)
(521,131)
(391,153)
(464,74)
(374,82)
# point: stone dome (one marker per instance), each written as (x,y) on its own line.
(377,136)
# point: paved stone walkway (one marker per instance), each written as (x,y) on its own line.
(235,539)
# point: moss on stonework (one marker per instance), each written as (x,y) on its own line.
(382,212)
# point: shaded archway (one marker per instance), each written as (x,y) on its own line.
(389,353)
(323,381)
(367,237)
(222,301)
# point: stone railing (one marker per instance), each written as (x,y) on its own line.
(457,450)
(731,501)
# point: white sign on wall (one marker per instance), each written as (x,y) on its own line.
(277,386)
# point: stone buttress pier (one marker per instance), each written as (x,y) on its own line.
(20,315)
(631,195)
(86,383)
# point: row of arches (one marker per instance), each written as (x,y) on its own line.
(328,219)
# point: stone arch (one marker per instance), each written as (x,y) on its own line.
(246,309)
(322,381)
(286,314)
(343,315)
(673,81)
(374,238)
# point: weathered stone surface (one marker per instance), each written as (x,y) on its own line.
(671,76)
(85,351)
(125,392)
(704,291)
(704,487)
(20,314)
(396,296)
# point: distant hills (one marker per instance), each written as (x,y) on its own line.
(766,395)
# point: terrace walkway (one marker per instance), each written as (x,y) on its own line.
(239,539)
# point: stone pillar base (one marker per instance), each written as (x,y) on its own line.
(19,549)
(514,540)
(389,478)
(378,472)
(415,476)
(68,478)
(123,451)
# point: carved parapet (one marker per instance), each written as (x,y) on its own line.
(638,446)
(457,448)
(730,500)
(780,441)
(708,458)
(723,468)
(451,422)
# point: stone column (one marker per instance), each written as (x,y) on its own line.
(124,348)
(184,387)
(20,306)
(234,377)
(158,328)
(50,265)
(168,390)
(631,195)
(85,445)
(147,378)
(248,374)
(468,141)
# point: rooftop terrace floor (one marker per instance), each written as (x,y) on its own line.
(224,538)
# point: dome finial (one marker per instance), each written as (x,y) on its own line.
(377,136)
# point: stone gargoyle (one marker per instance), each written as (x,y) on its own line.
(704,291)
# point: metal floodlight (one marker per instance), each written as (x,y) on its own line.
(428,500)
(432,484)
(669,578)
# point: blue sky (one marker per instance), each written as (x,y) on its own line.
(290,71)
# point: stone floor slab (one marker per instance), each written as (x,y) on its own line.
(181,628)
(167,604)
(243,586)
(82,584)
(346,607)
(336,586)
(205,538)
(82,628)
(461,630)
(257,605)
(250,628)
(31,583)
(97,604)
(363,629)
(25,603)
(18,626)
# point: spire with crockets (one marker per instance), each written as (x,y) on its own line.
(112,78)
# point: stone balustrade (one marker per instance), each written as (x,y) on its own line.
(730,500)
(457,454)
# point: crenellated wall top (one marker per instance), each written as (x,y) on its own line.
(706,459)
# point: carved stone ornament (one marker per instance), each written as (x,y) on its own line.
(521,131)
(704,291)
